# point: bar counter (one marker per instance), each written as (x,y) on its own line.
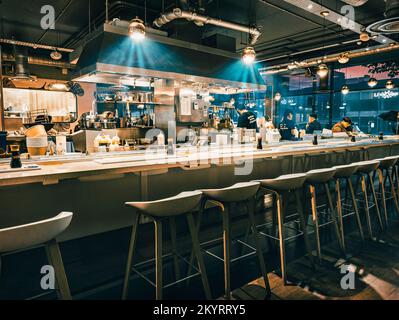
(95,187)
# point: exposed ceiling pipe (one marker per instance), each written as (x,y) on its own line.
(327,59)
(201,20)
(290,55)
(34,45)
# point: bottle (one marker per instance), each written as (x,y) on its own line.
(15,157)
(171,149)
(259,146)
(381,136)
(315,141)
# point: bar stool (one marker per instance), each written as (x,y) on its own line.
(386,172)
(344,173)
(281,187)
(365,170)
(40,233)
(322,177)
(159,211)
(224,199)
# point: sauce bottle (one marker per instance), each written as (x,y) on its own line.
(15,157)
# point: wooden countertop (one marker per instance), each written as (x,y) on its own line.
(83,166)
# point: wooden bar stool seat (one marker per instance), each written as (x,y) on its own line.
(281,188)
(159,211)
(40,233)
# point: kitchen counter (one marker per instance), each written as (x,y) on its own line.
(53,169)
(95,187)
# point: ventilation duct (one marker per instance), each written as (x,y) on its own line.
(111,55)
(21,64)
(391,23)
(201,20)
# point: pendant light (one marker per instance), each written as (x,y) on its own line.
(55,54)
(248,55)
(343,58)
(389,85)
(136,29)
(322,70)
(345,90)
(372,82)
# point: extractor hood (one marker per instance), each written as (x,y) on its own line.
(112,55)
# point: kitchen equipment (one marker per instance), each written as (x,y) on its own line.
(61,144)
(3,141)
(36,131)
(37,146)
(273,136)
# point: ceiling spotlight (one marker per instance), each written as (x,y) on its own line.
(136,29)
(248,55)
(364,36)
(55,55)
(322,70)
(389,85)
(310,6)
(343,58)
(372,82)
(277,96)
(345,90)
(325,13)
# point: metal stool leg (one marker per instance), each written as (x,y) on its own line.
(55,258)
(132,247)
(315,220)
(198,255)
(227,250)
(262,264)
(355,207)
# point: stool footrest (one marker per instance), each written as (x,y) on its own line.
(143,276)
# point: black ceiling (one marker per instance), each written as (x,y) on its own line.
(286,29)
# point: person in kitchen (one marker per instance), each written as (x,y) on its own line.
(145,121)
(313,125)
(247,119)
(287,126)
(345,125)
